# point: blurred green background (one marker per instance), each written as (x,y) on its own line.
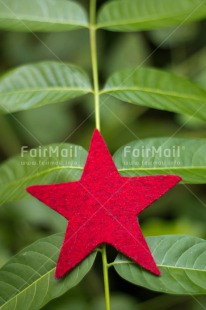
(182,211)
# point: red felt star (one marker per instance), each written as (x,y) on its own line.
(102,207)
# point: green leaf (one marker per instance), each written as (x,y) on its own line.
(159,90)
(27,280)
(181,260)
(41,15)
(32,86)
(49,164)
(133,15)
(183,157)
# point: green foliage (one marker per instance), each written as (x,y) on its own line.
(183,157)
(36,85)
(181,260)
(27,280)
(159,90)
(50,164)
(47,15)
(135,15)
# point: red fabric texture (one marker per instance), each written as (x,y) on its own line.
(102,207)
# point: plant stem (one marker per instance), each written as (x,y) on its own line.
(106,277)
(93,44)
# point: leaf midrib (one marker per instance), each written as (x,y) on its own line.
(154,91)
(134,21)
(159,265)
(50,89)
(160,169)
(41,173)
(48,21)
(81,168)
